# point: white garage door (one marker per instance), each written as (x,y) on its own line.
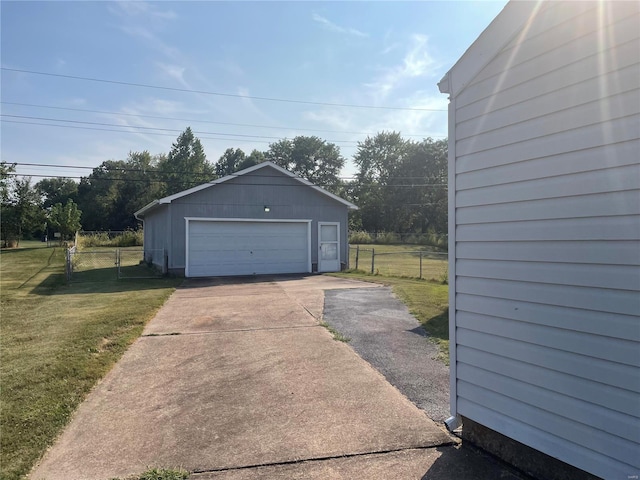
(221,248)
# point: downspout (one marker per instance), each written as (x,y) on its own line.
(454,421)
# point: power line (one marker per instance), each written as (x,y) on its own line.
(125,131)
(168,172)
(193,182)
(188,120)
(82,122)
(204,92)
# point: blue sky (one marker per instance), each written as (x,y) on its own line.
(381,54)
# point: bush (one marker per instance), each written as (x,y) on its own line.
(387,238)
(128,238)
(360,238)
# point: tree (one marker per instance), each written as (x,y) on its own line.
(21,212)
(186,165)
(229,162)
(379,159)
(115,190)
(401,184)
(254,158)
(311,158)
(65,218)
(56,190)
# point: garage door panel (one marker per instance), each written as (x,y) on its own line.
(219,248)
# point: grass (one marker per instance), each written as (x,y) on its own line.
(400,261)
(428,301)
(159,474)
(336,334)
(58,340)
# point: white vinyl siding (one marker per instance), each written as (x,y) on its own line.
(547,237)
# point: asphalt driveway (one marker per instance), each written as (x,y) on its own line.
(238,374)
(385,334)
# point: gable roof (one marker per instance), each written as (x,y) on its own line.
(504,28)
(184,193)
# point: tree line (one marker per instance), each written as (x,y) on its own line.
(400,184)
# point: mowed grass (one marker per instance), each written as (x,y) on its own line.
(400,261)
(427,300)
(58,340)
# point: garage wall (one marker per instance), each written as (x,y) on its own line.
(246,197)
(156,234)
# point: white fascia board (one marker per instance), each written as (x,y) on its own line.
(145,209)
(506,26)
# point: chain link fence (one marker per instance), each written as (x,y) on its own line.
(100,264)
(398,261)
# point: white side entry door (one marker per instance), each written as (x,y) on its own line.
(328,247)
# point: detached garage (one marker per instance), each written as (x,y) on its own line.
(261,220)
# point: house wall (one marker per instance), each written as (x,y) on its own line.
(156,235)
(246,197)
(546,209)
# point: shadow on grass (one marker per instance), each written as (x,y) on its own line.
(438,326)
(100,280)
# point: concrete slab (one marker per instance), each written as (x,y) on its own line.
(441,463)
(214,397)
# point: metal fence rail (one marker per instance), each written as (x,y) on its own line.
(111,263)
(416,263)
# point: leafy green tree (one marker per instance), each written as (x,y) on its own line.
(116,189)
(186,165)
(21,212)
(254,158)
(400,185)
(229,162)
(56,190)
(311,158)
(6,171)
(379,159)
(65,218)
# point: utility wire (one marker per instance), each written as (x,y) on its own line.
(76,127)
(150,180)
(152,170)
(204,92)
(188,120)
(82,122)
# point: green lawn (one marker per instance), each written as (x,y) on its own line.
(400,261)
(428,301)
(58,340)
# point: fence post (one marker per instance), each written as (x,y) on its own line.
(420,264)
(373,260)
(68,265)
(118,263)
(357,255)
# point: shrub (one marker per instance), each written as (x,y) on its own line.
(128,238)
(360,238)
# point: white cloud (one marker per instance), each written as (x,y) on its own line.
(174,72)
(337,28)
(146,9)
(417,62)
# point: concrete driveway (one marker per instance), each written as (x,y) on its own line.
(236,377)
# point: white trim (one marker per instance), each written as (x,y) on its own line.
(246,220)
(320,224)
(184,193)
(451,240)
(504,28)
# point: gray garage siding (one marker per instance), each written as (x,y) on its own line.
(245,197)
(156,234)
(546,185)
